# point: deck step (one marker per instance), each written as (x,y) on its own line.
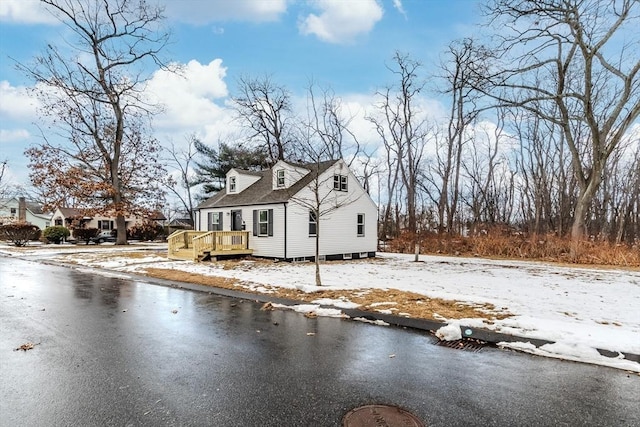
(187,254)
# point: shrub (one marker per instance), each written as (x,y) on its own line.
(19,233)
(85,234)
(148,230)
(56,234)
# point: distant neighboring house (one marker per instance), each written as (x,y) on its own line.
(181,224)
(14,209)
(72,217)
(272,206)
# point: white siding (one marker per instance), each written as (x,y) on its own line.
(266,246)
(337,229)
(243,181)
(292,174)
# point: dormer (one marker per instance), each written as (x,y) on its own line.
(238,180)
(284,175)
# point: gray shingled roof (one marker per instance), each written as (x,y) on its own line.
(70,212)
(261,192)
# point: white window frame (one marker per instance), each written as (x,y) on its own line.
(340,182)
(215,221)
(232,184)
(360,224)
(313,221)
(280,183)
(263,222)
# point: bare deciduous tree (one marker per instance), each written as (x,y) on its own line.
(571,63)
(184,186)
(94,93)
(324,138)
(403,130)
(265,109)
(464,63)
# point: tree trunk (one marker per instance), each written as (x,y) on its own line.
(121,229)
(318,279)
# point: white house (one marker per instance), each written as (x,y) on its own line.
(69,217)
(286,208)
(14,209)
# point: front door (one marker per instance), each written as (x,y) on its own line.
(236,220)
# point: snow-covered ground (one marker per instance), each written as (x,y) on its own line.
(580,309)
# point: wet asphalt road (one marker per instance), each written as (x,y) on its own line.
(111,352)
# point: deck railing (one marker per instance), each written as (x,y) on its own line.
(208,241)
(182,239)
(216,241)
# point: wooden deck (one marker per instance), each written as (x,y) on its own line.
(202,245)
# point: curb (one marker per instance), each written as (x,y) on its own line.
(406,322)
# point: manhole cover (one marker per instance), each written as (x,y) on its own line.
(380,416)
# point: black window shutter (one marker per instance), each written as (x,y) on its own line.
(220,217)
(209,221)
(270,222)
(255,222)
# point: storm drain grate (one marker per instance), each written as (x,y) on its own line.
(463,344)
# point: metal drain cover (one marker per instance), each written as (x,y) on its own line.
(380,416)
(463,344)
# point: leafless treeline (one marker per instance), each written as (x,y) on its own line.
(516,178)
(541,133)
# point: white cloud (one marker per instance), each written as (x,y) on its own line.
(16,102)
(201,12)
(341,21)
(398,5)
(193,100)
(13,135)
(25,11)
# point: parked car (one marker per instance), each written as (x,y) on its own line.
(104,236)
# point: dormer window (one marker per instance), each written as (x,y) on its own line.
(232,184)
(280,178)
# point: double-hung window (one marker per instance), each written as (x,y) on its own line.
(215,221)
(313,223)
(340,183)
(105,225)
(263,222)
(232,184)
(360,226)
(280,178)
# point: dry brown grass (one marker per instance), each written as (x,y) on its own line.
(402,303)
(506,244)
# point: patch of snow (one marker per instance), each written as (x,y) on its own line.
(576,352)
(313,309)
(378,304)
(104,273)
(373,322)
(450,332)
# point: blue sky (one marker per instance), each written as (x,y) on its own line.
(341,44)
